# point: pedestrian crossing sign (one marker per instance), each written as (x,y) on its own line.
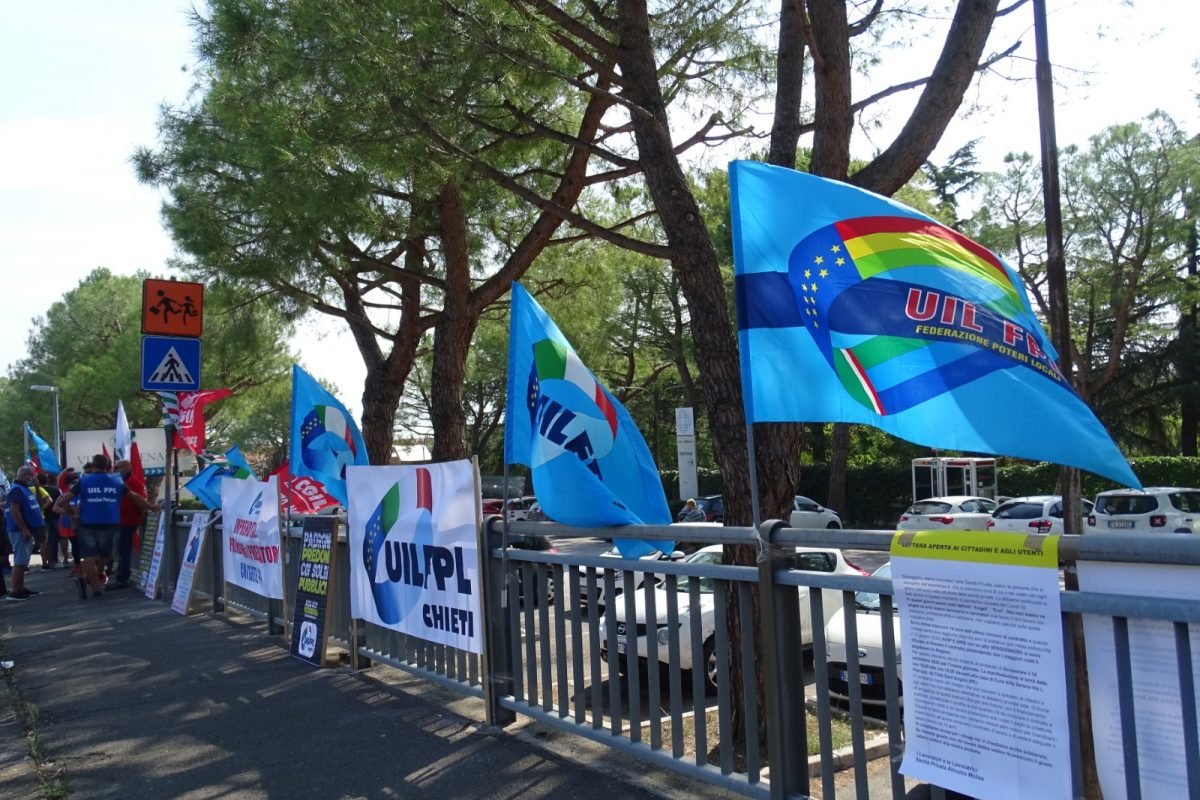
(170,364)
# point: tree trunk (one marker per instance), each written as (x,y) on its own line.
(1189,371)
(696,266)
(452,334)
(839,456)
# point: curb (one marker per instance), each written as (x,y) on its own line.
(843,757)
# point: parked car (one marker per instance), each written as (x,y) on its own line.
(807,558)
(808,513)
(713,506)
(536,514)
(1041,513)
(1158,509)
(957,513)
(524,541)
(492,505)
(518,508)
(598,595)
(871,656)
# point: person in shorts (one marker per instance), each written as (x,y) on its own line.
(99,492)
(26,529)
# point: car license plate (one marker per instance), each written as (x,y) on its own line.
(863,677)
(1120,523)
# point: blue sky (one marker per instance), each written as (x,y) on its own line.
(84,82)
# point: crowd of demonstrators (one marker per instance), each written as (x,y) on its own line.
(67,543)
(99,493)
(47,493)
(26,528)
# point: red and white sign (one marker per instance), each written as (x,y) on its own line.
(303,494)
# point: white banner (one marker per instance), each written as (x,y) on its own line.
(414,564)
(250,536)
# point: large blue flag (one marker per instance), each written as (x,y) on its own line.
(206,486)
(855,308)
(47,460)
(590,464)
(324,439)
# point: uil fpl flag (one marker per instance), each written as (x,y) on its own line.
(896,321)
(590,464)
(414,563)
(250,526)
(325,439)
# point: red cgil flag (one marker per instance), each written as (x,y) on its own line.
(303,494)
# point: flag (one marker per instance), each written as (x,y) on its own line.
(190,417)
(324,438)
(170,408)
(303,494)
(124,436)
(104,451)
(855,308)
(206,486)
(46,458)
(135,463)
(590,464)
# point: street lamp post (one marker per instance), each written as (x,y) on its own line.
(57,431)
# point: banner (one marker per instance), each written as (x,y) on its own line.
(893,320)
(414,561)
(590,465)
(190,417)
(324,438)
(191,557)
(318,557)
(124,436)
(252,556)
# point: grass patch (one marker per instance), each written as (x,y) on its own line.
(52,777)
(840,732)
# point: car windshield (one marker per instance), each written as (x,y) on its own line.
(1019,510)
(1187,502)
(929,507)
(869,601)
(701,557)
(1126,504)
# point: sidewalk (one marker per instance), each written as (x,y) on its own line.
(137,701)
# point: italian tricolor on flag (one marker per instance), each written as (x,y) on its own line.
(555,361)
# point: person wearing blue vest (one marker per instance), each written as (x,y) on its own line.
(99,492)
(23,522)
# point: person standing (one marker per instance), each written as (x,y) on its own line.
(26,527)
(99,492)
(47,493)
(131,518)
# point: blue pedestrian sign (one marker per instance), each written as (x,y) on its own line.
(170,364)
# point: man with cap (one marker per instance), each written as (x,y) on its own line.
(26,528)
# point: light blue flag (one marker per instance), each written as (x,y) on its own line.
(206,486)
(855,308)
(46,458)
(324,438)
(591,467)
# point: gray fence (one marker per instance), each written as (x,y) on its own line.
(556,625)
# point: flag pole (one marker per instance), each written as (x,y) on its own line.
(755,514)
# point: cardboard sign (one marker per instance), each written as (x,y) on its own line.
(152,552)
(191,557)
(172,308)
(318,549)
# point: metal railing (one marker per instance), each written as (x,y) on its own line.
(553,656)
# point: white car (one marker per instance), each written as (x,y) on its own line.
(807,558)
(1156,509)
(957,513)
(811,514)
(1041,513)
(871,656)
(518,508)
(597,595)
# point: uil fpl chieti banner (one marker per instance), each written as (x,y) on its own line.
(251,555)
(414,564)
